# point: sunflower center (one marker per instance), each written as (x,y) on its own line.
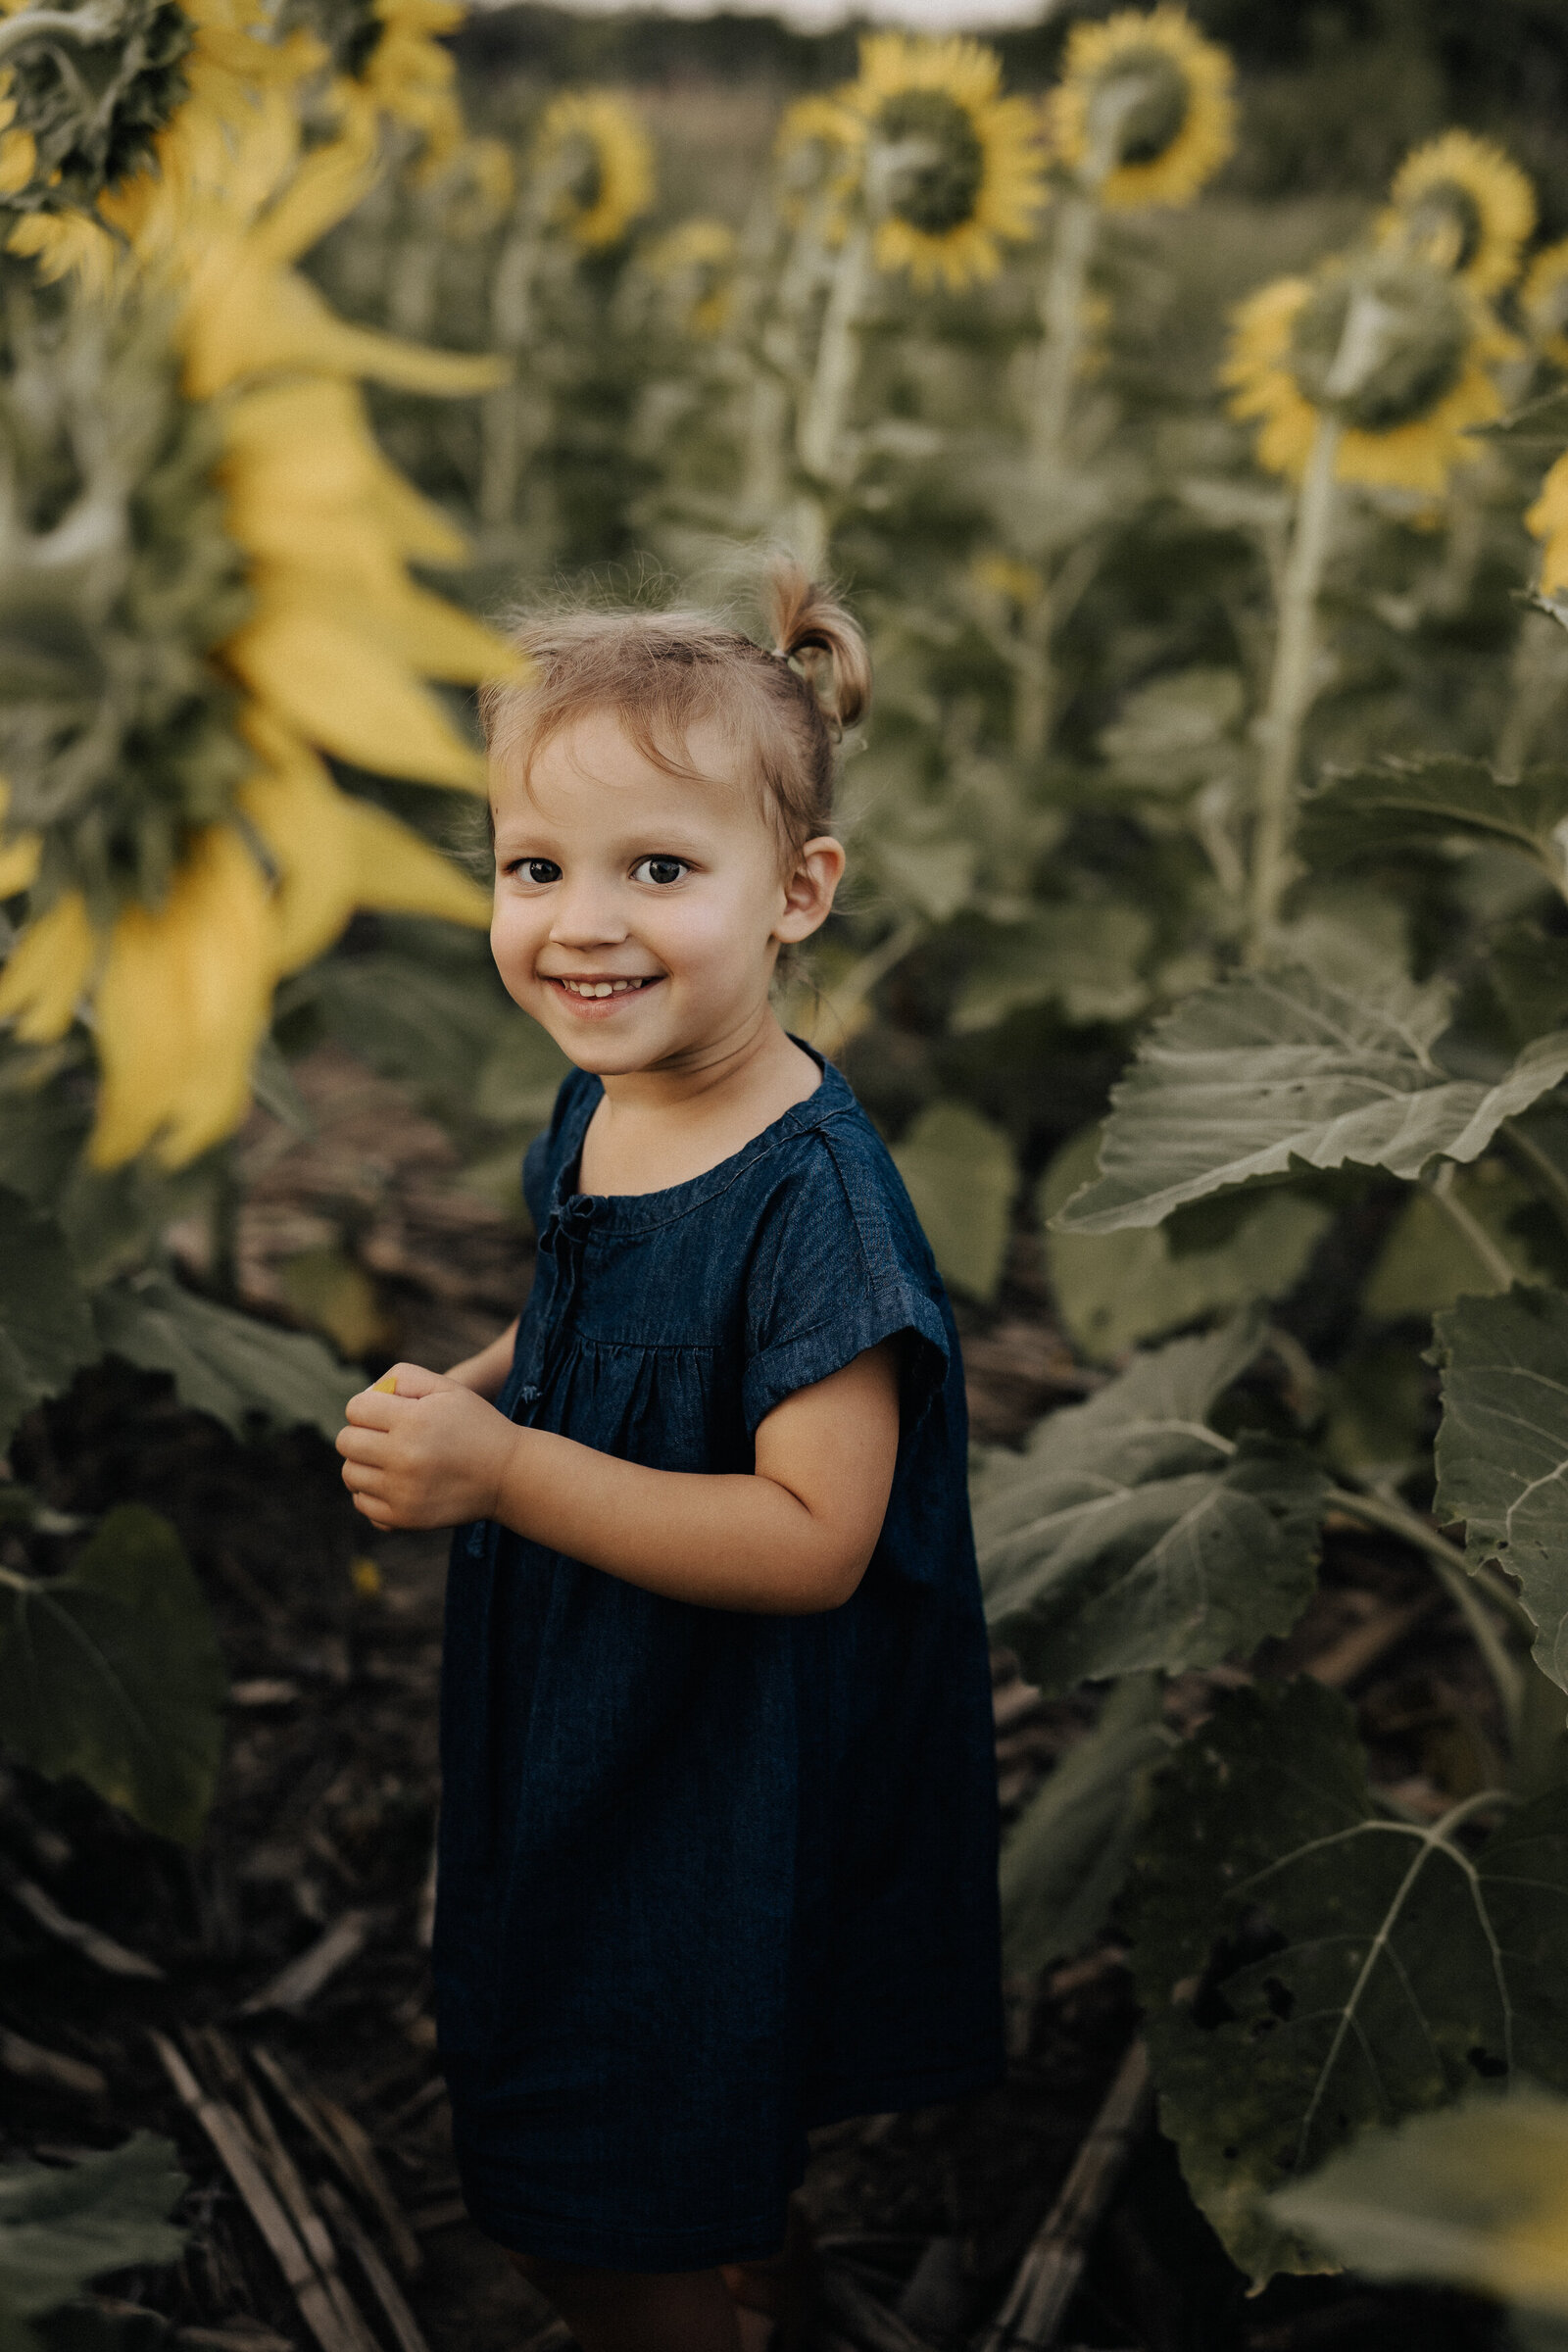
(1382,347)
(582,174)
(937,163)
(1136,109)
(1445,225)
(94,107)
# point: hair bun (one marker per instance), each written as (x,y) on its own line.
(812,626)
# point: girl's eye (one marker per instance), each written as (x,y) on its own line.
(659,870)
(537,870)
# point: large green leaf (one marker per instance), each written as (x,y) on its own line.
(1085,958)
(60,2226)
(1354,1968)
(1129,1535)
(1113,1289)
(231,1365)
(1066,1855)
(1280,1070)
(961,1176)
(1476,2195)
(1502,1449)
(114,1673)
(1429,1259)
(1369,811)
(428,1028)
(45,1329)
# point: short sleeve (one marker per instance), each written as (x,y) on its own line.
(840,1266)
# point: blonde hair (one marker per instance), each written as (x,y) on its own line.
(659,673)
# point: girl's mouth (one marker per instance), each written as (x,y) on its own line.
(593,993)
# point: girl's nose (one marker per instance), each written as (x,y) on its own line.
(586,916)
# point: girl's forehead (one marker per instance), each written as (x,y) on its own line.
(592,772)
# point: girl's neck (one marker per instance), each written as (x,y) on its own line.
(658,1128)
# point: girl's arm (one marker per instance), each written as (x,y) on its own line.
(485,1372)
(792,1537)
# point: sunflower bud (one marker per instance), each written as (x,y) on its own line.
(595,167)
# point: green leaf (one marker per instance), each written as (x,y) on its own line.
(1367,812)
(430,1029)
(1177,730)
(961,1176)
(62,2225)
(1279,1070)
(113,1672)
(1502,1449)
(1086,958)
(46,1332)
(1428,1261)
(1129,1535)
(1355,1968)
(1113,1290)
(1475,2195)
(231,1365)
(1066,1857)
(1541,423)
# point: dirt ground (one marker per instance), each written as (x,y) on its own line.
(317,1862)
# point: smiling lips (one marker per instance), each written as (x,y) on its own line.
(587,988)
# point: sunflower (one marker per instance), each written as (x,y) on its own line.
(1398,350)
(955,166)
(1548,520)
(696,263)
(1144,111)
(1544,300)
(1461,204)
(250,610)
(412,79)
(597,165)
(820,150)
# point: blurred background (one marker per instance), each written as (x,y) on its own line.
(1178,397)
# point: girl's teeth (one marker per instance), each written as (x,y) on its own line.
(600,988)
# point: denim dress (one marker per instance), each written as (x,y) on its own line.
(710,1877)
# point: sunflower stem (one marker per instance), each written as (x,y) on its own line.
(1291,688)
(1059,352)
(819,435)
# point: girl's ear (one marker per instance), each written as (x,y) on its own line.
(809,889)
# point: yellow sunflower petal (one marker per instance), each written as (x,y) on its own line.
(47,971)
(18,864)
(1544,300)
(302,818)
(1548,520)
(401,874)
(182,1004)
(63,245)
(350,697)
(18,160)
(250,320)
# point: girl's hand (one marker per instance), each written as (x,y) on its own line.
(431,1454)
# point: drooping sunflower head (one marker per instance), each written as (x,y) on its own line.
(1543,301)
(116,730)
(952,168)
(596,163)
(1398,351)
(1143,113)
(1463,205)
(210,592)
(84,94)
(696,265)
(821,151)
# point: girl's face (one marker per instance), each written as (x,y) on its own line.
(638,916)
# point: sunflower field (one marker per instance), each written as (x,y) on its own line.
(1205,957)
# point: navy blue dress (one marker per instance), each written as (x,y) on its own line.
(710,1877)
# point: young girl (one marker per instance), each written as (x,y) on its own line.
(719,1826)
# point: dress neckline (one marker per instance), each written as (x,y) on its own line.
(634,1211)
